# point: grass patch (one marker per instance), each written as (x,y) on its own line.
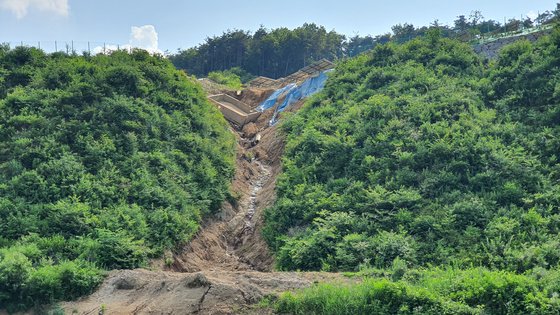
(433,291)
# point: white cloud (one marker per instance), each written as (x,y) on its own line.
(20,7)
(532,15)
(144,37)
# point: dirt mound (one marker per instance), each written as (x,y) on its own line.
(251,96)
(250,130)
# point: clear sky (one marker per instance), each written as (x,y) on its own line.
(181,24)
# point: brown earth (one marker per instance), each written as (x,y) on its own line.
(227,267)
(232,239)
(210,292)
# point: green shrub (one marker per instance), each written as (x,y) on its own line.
(227,78)
(106,161)
(29,279)
(440,158)
(15,270)
(243,75)
(432,291)
(389,246)
(118,250)
(370,297)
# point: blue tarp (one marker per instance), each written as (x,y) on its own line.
(294,93)
(273,98)
(306,89)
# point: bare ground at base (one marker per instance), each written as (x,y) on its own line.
(209,292)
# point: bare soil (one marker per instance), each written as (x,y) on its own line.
(158,292)
(227,267)
(232,240)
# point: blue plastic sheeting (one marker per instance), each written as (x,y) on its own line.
(294,93)
(306,89)
(273,98)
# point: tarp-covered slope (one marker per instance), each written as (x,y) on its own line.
(293,93)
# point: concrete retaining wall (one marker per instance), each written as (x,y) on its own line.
(234,110)
(490,50)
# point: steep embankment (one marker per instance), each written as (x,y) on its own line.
(105,162)
(438,173)
(418,152)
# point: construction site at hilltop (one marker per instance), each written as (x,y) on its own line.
(227,267)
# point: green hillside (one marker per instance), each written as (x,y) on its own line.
(105,161)
(421,155)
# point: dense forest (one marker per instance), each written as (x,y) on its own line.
(105,162)
(273,53)
(279,52)
(419,155)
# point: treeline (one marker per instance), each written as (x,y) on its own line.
(474,26)
(105,162)
(272,53)
(279,52)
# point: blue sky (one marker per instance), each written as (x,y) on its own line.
(181,24)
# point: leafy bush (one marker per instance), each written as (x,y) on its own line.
(369,297)
(227,78)
(432,291)
(243,75)
(432,156)
(106,161)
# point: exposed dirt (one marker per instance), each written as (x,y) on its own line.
(252,96)
(232,240)
(227,266)
(250,130)
(147,292)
